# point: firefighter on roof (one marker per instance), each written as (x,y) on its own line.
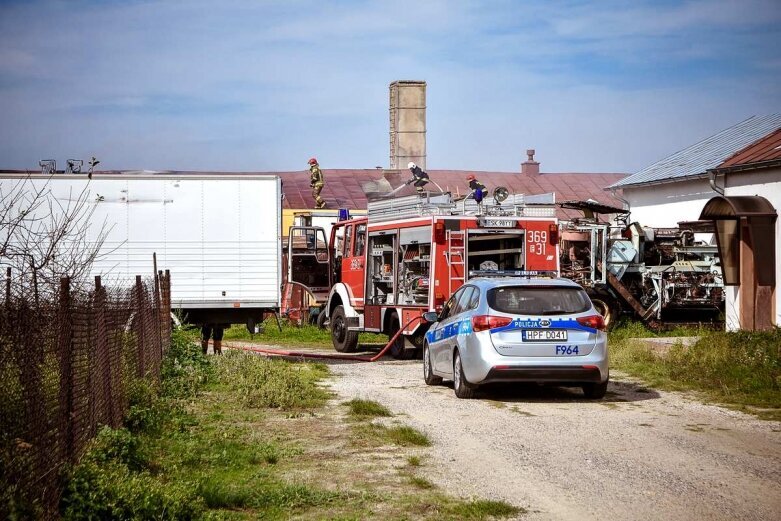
(478,188)
(419,177)
(316,182)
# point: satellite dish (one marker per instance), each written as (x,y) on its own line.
(501,194)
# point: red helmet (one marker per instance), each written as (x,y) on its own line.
(471,177)
(313,161)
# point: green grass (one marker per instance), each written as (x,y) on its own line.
(217,440)
(483,509)
(738,369)
(374,435)
(261,382)
(422,483)
(362,409)
(292,335)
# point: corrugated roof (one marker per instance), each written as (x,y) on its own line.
(709,153)
(766,149)
(344,188)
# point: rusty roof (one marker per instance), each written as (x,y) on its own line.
(767,148)
(344,188)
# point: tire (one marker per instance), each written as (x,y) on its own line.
(595,391)
(321,319)
(397,350)
(428,373)
(462,388)
(344,341)
(608,308)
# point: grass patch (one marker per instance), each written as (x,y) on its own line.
(484,509)
(406,436)
(367,409)
(243,437)
(740,369)
(421,483)
(292,335)
(373,435)
(268,383)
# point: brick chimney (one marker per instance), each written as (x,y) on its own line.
(530,167)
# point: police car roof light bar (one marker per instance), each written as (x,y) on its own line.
(513,273)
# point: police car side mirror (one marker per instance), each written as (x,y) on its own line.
(430,316)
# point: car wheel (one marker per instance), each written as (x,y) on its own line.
(595,391)
(462,388)
(344,341)
(397,350)
(428,373)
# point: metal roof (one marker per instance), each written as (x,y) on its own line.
(766,149)
(709,153)
(343,188)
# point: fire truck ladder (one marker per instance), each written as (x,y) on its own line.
(455,258)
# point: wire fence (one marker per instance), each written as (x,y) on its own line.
(68,355)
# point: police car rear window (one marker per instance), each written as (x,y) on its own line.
(538,300)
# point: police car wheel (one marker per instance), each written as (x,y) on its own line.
(428,373)
(595,391)
(462,388)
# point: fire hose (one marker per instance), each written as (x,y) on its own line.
(326,356)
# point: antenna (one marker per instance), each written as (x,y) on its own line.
(48,166)
(74,166)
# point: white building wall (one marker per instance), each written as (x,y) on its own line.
(664,205)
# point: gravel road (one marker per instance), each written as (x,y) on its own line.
(637,454)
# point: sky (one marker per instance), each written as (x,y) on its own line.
(602,86)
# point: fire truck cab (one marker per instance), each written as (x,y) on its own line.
(409,254)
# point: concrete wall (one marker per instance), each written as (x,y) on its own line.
(407,124)
(666,204)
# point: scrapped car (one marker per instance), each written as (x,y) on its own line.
(517,329)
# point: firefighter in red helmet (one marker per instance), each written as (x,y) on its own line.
(316,182)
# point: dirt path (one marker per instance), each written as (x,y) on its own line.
(638,454)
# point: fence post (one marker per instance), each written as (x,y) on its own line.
(102,351)
(167,307)
(140,329)
(158,325)
(65,348)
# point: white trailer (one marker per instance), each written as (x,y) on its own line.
(219,235)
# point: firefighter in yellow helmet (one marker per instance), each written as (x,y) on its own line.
(316,182)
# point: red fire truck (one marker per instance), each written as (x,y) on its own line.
(409,254)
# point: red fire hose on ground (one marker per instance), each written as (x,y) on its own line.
(324,356)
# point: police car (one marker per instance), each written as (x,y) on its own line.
(517,329)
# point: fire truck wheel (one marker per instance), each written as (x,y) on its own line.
(344,341)
(397,349)
(607,307)
(321,320)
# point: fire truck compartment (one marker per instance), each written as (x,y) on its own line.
(502,250)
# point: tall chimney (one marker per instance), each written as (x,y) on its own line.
(530,167)
(407,124)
